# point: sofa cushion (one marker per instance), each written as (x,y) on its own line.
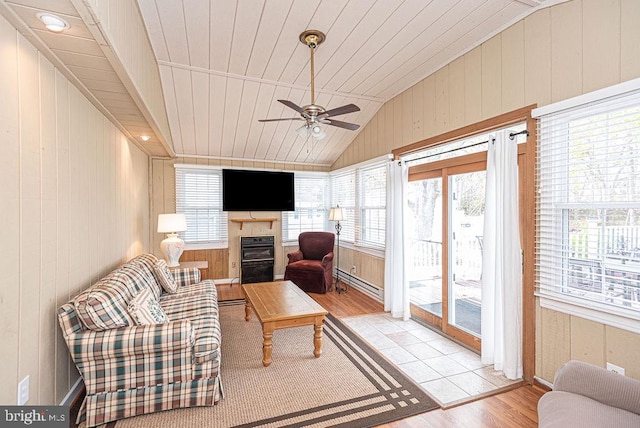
(140,277)
(104,305)
(147,262)
(165,277)
(186,276)
(144,309)
(567,410)
(188,306)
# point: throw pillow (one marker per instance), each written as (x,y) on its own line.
(145,309)
(165,277)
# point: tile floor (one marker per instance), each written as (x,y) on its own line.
(447,371)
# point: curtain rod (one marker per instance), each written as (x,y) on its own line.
(512,135)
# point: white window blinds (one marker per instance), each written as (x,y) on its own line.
(199,197)
(312,198)
(343,193)
(588,242)
(373,184)
(361,192)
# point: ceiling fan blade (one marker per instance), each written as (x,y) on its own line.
(340,124)
(276,120)
(294,107)
(349,108)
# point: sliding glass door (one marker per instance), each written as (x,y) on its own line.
(425,244)
(444,245)
(466,213)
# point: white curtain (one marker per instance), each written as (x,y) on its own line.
(502,260)
(396,288)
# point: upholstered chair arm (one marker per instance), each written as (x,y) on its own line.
(92,345)
(598,384)
(133,357)
(328,258)
(186,276)
(296,256)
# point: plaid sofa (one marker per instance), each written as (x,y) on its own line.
(131,369)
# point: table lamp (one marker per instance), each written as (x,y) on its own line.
(172,246)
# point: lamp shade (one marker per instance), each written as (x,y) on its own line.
(336,214)
(172,223)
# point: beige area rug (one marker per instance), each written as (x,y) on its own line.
(350,385)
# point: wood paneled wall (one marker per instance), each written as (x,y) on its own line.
(75,204)
(368,267)
(554,54)
(164,201)
(563,337)
(217,259)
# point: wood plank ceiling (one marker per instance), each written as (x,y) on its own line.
(224,64)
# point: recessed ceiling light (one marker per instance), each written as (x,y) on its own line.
(145,137)
(52,22)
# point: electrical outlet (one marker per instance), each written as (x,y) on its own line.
(353,268)
(615,369)
(233,265)
(23,391)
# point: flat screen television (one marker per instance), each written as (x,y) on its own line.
(249,190)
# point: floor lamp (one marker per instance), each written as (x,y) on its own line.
(337,214)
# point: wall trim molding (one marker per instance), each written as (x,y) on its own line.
(226,158)
(543,382)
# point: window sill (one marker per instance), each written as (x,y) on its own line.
(625,319)
(376,252)
(206,246)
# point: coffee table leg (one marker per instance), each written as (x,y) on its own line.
(317,337)
(247,310)
(267,334)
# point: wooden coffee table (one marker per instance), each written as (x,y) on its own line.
(282,304)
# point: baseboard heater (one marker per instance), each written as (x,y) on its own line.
(362,285)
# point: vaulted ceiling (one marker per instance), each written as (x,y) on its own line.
(223,64)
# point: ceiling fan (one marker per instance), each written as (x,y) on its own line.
(315,115)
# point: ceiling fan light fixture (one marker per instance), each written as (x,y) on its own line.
(303,131)
(317,132)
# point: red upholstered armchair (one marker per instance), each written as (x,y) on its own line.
(311,267)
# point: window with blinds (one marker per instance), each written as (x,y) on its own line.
(362,193)
(343,194)
(373,202)
(199,197)
(588,242)
(312,200)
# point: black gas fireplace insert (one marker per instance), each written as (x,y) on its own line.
(257,258)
